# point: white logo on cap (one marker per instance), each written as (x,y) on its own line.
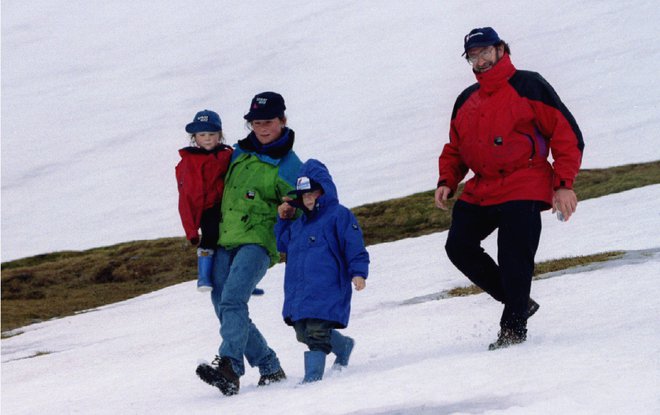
(474,34)
(303,183)
(262,101)
(203,118)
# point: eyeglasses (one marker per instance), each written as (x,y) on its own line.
(484,54)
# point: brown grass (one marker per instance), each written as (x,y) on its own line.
(46,286)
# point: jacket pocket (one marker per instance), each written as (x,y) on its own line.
(511,152)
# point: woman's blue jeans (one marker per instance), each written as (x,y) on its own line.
(236,272)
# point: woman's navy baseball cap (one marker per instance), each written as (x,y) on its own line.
(204,121)
(266,106)
(480,37)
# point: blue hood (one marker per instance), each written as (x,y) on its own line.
(318,172)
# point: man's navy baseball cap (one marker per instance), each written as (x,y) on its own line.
(480,37)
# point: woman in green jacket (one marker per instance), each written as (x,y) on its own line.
(263,169)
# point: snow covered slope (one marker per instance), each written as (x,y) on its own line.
(593,346)
(95,97)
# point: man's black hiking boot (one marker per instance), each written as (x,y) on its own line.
(220,374)
(506,338)
(266,380)
(532,307)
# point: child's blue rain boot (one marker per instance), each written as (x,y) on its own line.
(204,269)
(342,346)
(314,366)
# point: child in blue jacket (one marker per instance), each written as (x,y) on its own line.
(325,253)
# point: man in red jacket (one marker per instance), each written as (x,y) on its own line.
(502,129)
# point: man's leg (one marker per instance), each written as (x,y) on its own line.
(470,225)
(517,241)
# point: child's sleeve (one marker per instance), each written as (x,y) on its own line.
(188,207)
(352,245)
(283,234)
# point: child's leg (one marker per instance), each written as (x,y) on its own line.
(342,347)
(209,225)
(315,334)
(204,269)
(314,366)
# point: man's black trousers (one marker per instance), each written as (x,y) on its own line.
(509,280)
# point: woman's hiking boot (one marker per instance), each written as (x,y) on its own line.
(220,374)
(266,380)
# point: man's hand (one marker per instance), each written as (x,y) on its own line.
(441,195)
(565,201)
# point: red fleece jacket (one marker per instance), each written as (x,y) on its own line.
(200,176)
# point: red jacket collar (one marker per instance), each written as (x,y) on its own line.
(492,80)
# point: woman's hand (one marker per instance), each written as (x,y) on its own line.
(285,210)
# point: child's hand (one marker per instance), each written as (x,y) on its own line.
(285,210)
(359,283)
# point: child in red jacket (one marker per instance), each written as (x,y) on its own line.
(200,176)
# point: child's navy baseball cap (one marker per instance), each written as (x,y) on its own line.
(480,37)
(305,185)
(204,121)
(266,106)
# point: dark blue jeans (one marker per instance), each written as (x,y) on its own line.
(509,280)
(315,333)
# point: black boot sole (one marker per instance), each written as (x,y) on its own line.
(210,375)
(266,380)
(503,345)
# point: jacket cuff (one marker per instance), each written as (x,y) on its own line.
(560,183)
(452,189)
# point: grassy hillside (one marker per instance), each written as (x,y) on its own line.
(63,283)
(416,215)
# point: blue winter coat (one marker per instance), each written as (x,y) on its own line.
(325,250)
